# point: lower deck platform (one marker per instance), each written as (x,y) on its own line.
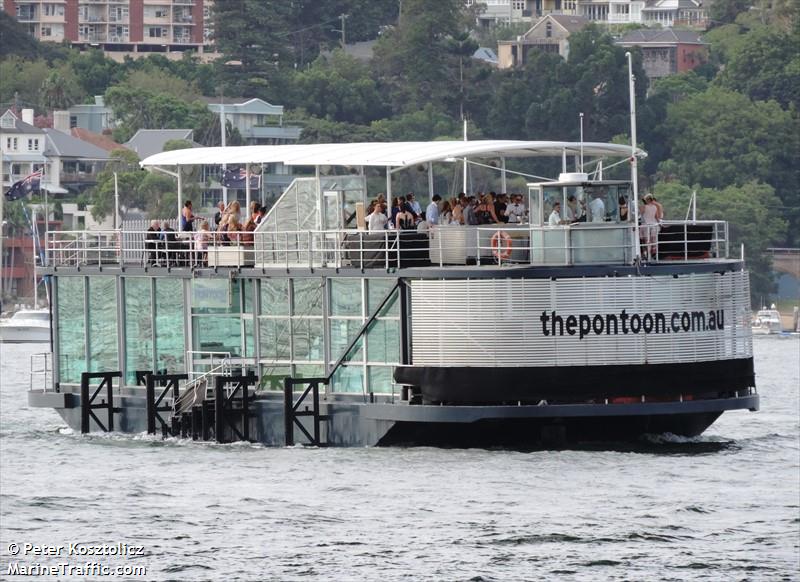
(351,421)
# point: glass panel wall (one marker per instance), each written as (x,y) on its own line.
(169,310)
(71,329)
(216,316)
(275,331)
(102,311)
(292,334)
(138,326)
(347,317)
(307,325)
(383,337)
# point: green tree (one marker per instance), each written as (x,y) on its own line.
(726,11)
(765,65)
(60,90)
(21,81)
(720,138)
(338,88)
(125,163)
(412,59)
(137,108)
(752,211)
(95,72)
(14,40)
(159,195)
(253,34)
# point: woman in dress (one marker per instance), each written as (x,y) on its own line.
(187,217)
(649,229)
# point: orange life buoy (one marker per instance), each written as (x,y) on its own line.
(501,245)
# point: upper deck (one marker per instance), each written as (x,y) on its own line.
(320,222)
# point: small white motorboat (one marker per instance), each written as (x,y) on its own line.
(26,326)
(767,321)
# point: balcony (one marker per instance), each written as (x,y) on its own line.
(92,37)
(118,38)
(93,18)
(26,15)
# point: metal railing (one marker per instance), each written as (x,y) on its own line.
(42,370)
(506,244)
(196,389)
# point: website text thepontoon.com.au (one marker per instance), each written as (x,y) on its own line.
(624,323)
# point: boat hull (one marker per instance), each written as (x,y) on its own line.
(24,334)
(353,422)
(472,385)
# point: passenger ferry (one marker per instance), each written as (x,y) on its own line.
(535,333)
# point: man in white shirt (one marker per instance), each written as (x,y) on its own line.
(432,211)
(597,208)
(515,211)
(378,219)
(555,216)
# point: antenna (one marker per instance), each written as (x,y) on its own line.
(581,117)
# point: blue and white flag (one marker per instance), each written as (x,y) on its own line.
(24,187)
(235,179)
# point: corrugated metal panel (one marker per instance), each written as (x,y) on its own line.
(499,322)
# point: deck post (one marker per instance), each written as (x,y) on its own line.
(84,404)
(288,420)
(219,409)
(150,399)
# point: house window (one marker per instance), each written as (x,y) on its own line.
(11,144)
(47,31)
(519,4)
(570,5)
(548,29)
(33,144)
(156,32)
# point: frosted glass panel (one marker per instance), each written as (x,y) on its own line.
(103,337)
(71,329)
(138,327)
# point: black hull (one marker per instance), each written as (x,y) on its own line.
(473,385)
(533,433)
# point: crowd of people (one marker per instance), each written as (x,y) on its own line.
(405,212)
(165,245)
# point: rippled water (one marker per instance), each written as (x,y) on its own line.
(721,507)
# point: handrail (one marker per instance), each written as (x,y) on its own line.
(497,244)
(41,365)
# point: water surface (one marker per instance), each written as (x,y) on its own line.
(720,507)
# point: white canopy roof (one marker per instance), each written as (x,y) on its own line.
(381,154)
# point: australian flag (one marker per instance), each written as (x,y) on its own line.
(236,179)
(24,187)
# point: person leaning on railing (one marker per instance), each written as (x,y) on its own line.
(201,239)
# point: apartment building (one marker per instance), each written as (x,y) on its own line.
(663,13)
(125,26)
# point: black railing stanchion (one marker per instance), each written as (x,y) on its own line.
(288,416)
(85,410)
(150,398)
(88,398)
(169,383)
(219,409)
(315,388)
